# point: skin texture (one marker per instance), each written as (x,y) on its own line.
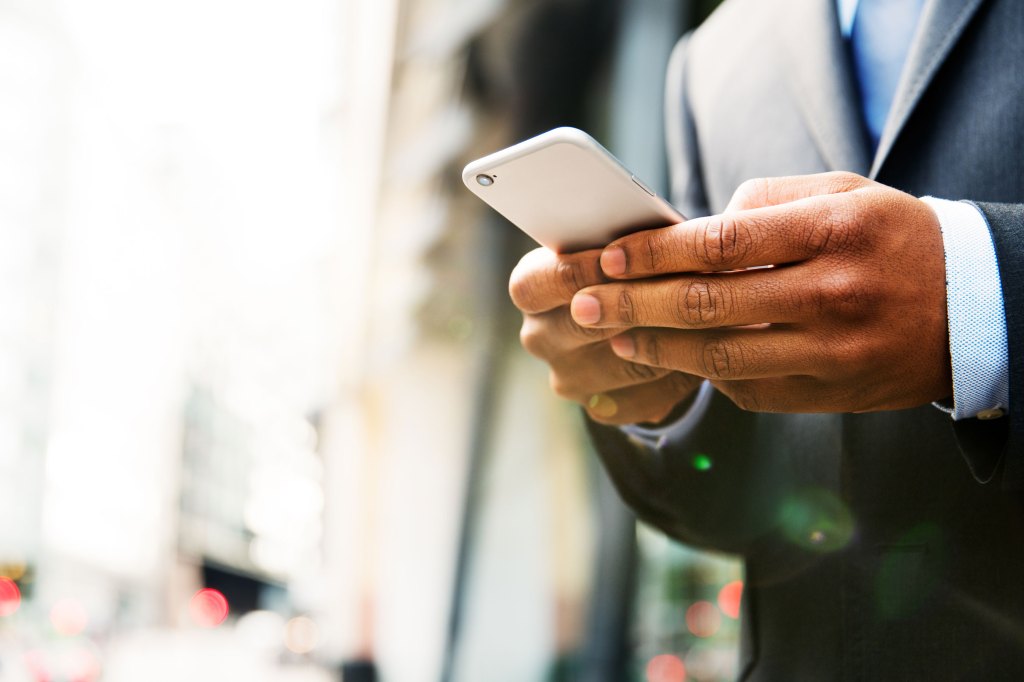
(850,315)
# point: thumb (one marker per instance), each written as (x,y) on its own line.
(762,192)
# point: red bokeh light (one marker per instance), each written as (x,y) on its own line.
(208,608)
(665,668)
(83,666)
(69,617)
(729,598)
(35,663)
(703,618)
(10,596)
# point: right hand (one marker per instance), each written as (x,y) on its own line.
(583,366)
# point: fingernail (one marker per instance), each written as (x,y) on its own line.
(602,406)
(613,261)
(624,346)
(585,309)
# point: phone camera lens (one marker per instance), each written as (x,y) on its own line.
(485,180)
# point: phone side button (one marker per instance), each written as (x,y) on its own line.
(642,185)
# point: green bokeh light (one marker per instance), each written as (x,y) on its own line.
(817,520)
(701,462)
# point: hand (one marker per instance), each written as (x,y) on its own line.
(850,318)
(583,366)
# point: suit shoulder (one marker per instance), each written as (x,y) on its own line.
(737,35)
(734,23)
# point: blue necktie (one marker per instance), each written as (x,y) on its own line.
(880,39)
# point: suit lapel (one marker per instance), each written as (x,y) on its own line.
(942,23)
(822,82)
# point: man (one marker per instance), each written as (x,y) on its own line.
(838,315)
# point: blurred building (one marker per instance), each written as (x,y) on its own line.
(264,413)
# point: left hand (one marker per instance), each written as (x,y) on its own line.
(850,318)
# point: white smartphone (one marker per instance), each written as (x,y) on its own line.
(567,191)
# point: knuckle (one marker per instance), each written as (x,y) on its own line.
(751,193)
(640,373)
(844,181)
(626,306)
(842,294)
(721,359)
(539,284)
(853,354)
(684,383)
(845,223)
(521,291)
(529,338)
(838,227)
(649,346)
(701,304)
(570,276)
(723,241)
(560,386)
(834,229)
(524,284)
(655,253)
(821,237)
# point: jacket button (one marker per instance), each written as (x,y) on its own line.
(994,413)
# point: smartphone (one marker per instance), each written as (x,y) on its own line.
(567,191)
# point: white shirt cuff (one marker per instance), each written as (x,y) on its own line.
(977,319)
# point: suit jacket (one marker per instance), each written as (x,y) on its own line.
(885,546)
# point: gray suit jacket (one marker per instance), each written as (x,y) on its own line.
(885,546)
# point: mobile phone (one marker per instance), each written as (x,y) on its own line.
(567,191)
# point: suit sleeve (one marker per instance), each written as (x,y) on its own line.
(987,446)
(704,489)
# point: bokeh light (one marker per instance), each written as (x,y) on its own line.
(817,520)
(703,619)
(81,665)
(10,596)
(35,664)
(665,668)
(69,617)
(14,571)
(729,598)
(208,608)
(75,660)
(702,462)
(261,630)
(301,635)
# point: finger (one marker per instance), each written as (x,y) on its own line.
(596,369)
(761,192)
(730,355)
(650,402)
(700,302)
(554,333)
(772,235)
(544,280)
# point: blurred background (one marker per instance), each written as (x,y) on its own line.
(263,412)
